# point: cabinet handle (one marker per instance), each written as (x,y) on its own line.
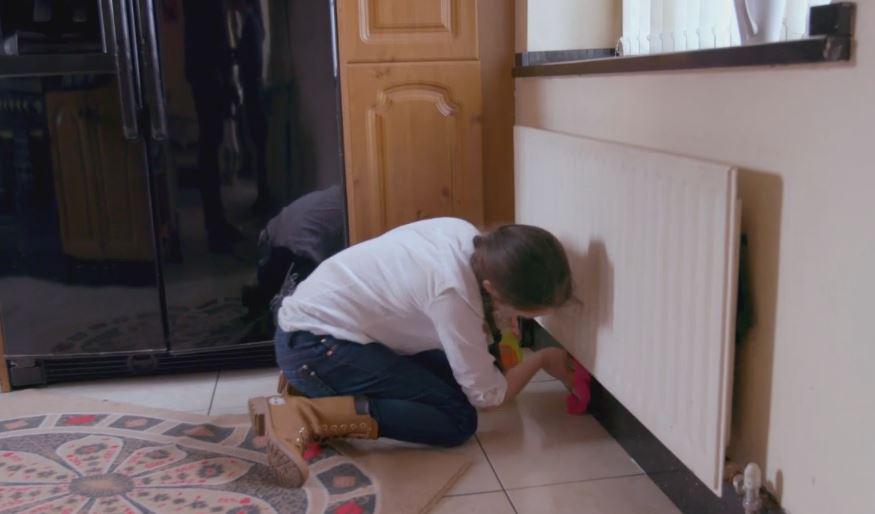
(118,43)
(335,58)
(153,85)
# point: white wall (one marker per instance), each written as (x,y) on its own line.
(805,381)
(568,24)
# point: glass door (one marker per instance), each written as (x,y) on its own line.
(250,171)
(78,273)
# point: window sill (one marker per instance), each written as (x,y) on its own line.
(821,49)
(831,41)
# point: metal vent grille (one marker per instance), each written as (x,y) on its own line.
(76,369)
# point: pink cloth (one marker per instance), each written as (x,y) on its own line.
(578,399)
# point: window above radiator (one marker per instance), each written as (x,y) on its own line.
(662,35)
(660,26)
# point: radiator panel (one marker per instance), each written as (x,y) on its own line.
(653,243)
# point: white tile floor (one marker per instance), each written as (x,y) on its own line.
(529,458)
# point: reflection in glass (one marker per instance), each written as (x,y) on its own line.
(77,267)
(114,245)
(252,105)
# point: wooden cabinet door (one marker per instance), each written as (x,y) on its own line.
(123,193)
(75,176)
(407,30)
(413,134)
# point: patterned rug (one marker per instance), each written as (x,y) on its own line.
(69,455)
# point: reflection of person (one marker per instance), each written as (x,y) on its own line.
(250,61)
(390,337)
(302,235)
(208,71)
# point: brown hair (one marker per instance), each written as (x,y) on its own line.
(526,266)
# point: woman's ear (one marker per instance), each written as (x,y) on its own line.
(487,285)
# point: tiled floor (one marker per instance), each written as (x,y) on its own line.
(529,458)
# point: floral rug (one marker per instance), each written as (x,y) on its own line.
(68,455)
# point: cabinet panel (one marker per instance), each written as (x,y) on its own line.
(414,138)
(100,179)
(75,178)
(401,30)
(126,226)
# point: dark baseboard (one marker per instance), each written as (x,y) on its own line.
(674,479)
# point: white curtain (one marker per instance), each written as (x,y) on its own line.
(657,26)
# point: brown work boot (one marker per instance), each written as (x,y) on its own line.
(291,423)
(285,388)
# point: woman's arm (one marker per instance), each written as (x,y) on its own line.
(460,330)
(552,360)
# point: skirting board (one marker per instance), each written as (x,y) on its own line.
(675,480)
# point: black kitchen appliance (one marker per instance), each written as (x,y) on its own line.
(144,146)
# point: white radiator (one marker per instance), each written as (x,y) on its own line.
(653,243)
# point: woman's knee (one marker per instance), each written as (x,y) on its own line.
(466,426)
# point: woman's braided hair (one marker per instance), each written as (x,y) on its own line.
(526,266)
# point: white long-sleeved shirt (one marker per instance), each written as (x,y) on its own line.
(411,289)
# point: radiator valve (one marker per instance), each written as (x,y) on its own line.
(749,486)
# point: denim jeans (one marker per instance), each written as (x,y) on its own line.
(413,398)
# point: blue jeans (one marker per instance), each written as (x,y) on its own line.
(413,398)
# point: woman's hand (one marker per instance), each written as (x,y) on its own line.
(552,360)
(555,361)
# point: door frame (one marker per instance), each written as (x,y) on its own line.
(338,97)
